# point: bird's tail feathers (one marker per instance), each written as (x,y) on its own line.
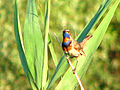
(85,40)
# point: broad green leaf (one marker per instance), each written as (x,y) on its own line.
(33,43)
(20,47)
(69,81)
(46,28)
(62,65)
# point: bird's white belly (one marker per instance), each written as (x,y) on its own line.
(74,53)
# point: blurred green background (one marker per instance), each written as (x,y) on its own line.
(104,71)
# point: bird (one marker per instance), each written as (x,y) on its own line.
(71,47)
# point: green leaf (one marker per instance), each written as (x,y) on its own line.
(52,51)
(46,28)
(20,47)
(69,81)
(49,42)
(41,13)
(94,20)
(33,43)
(62,65)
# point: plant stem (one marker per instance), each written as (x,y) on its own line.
(78,79)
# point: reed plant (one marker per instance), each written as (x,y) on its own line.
(33,46)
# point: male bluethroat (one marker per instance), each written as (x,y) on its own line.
(71,46)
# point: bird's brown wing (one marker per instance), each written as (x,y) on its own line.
(76,45)
(78,48)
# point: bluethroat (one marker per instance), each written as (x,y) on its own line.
(71,46)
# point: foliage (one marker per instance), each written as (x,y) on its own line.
(107,50)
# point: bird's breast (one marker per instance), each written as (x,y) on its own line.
(66,42)
(73,52)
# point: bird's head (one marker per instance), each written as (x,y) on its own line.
(66,33)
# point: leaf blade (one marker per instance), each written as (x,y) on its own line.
(33,43)
(46,28)
(52,51)
(20,46)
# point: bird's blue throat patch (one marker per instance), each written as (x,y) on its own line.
(66,35)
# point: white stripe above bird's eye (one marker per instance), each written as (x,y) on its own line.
(67,30)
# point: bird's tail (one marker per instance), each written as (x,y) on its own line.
(85,40)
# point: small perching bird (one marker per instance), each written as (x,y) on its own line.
(71,46)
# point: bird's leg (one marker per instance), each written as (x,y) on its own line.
(82,52)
